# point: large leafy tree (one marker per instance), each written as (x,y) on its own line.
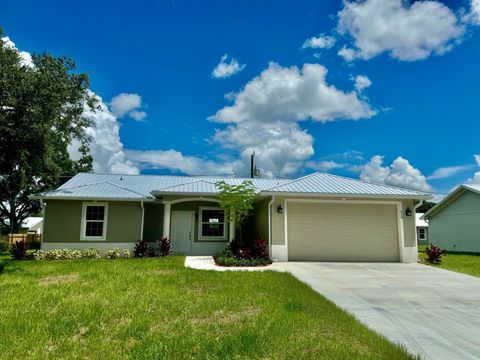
(41,107)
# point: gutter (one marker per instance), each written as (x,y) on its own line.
(143,219)
(86,198)
(270,203)
(349,196)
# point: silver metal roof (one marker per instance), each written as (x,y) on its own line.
(332,184)
(108,186)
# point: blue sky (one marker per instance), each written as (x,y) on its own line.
(422,104)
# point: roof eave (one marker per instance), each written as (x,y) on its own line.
(177,193)
(87,198)
(335,195)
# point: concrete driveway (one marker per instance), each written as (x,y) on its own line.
(434,313)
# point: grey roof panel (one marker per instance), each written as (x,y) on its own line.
(104,190)
(87,185)
(332,184)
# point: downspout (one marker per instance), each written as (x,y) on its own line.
(415,207)
(270,224)
(44,208)
(143,217)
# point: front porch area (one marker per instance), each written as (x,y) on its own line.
(195,226)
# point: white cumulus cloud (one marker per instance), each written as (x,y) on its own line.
(475,11)
(325,165)
(127,104)
(319,42)
(281,148)
(476,176)
(292,94)
(175,160)
(448,171)
(405,31)
(362,82)
(106,146)
(25,57)
(266,113)
(400,173)
(472,17)
(225,69)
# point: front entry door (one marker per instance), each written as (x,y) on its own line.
(183,223)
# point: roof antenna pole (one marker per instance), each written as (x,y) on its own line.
(254,172)
(252,165)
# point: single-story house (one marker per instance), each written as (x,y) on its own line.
(454,223)
(33,225)
(318,217)
(422,229)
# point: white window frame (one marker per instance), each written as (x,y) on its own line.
(211,238)
(424,233)
(83,237)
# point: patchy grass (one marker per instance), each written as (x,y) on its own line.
(466,263)
(157,309)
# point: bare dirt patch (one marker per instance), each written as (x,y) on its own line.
(164,271)
(80,335)
(196,290)
(59,279)
(226,317)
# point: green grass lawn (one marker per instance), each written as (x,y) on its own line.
(460,262)
(157,309)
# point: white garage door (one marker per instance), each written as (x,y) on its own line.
(342,232)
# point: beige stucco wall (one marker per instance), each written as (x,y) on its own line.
(409,224)
(63,222)
(278,224)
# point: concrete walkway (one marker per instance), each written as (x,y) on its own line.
(434,313)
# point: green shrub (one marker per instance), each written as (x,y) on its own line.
(57,254)
(127,253)
(112,254)
(231,261)
(91,253)
(4,246)
(235,255)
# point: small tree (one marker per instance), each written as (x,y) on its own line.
(236,200)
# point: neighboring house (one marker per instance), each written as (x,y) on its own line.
(33,225)
(422,229)
(319,217)
(454,223)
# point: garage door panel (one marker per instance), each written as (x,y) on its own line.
(342,232)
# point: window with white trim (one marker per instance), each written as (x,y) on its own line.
(94,221)
(211,224)
(422,233)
